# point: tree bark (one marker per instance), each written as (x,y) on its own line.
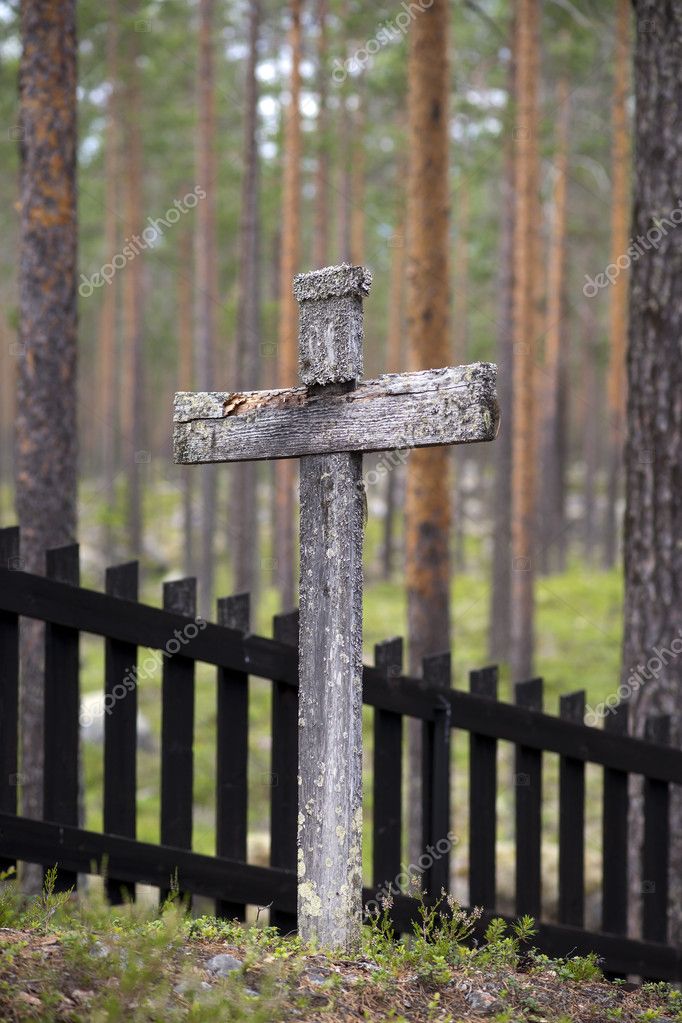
(205,282)
(653,452)
(46,426)
(500,603)
(186,382)
(394,360)
(357,187)
(110,299)
(525,339)
(321,214)
(133,390)
(618,322)
(287,355)
(591,430)
(427,503)
(245,477)
(554,377)
(461,354)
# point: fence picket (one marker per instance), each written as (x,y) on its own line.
(482,799)
(9,688)
(528,789)
(62,709)
(436,826)
(615,835)
(387,781)
(120,726)
(572,822)
(232,752)
(284,770)
(655,851)
(177,727)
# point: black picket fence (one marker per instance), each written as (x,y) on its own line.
(126,625)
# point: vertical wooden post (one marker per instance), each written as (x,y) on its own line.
(283,781)
(61,709)
(120,727)
(177,727)
(330,637)
(232,749)
(9,689)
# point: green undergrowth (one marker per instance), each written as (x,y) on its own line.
(68,960)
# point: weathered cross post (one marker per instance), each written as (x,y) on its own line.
(329,422)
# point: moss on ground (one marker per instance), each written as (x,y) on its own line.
(68,961)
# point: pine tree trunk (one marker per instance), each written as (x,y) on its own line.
(287,360)
(499,635)
(321,215)
(244,477)
(205,291)
(461,355)
(653,452)
(554,376)
(46,427)
(618,323)
(394,360)
(8,350)
(357,216)
(132,286)
(110,299)
(186,383)
(524,545)
(427,502)
(591,430)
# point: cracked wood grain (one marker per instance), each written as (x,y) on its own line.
(454,405)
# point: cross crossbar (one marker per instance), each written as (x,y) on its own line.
(454,405)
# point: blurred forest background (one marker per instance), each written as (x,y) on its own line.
(478,156)
(176,96)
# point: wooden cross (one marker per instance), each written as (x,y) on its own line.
(328,423)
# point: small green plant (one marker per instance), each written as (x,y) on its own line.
(502,948)
(581,968)
(9,898)
(49,903)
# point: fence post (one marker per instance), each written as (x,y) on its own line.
(528,788)
(482,799)
(177,727)
(284,769)
(656,847)
(387,782)
(436,672)
(62,709)
(615,835)
(232,750)
(120,726)
(572,821)
(9,689)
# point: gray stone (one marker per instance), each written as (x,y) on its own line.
(223,965)
(315,976)
(483,1002)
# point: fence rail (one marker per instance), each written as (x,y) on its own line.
(68,610)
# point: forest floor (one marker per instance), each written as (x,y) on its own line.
(67,962)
